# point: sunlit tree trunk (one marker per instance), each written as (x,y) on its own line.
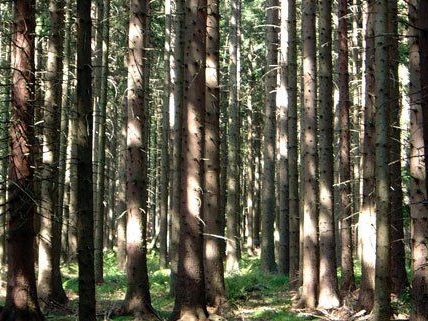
(21,294)
(49,275)
(381,308)
(328,292)
(348,281)
(310,267)
(367,218)
(418,191)
(268,200)
(137,300)
(190,301)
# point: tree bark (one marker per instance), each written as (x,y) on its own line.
(190,301)
(328,297)
(347,265)
(381,308)
(310,268)
(268,202)
(21,294)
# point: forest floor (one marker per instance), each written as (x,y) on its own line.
(252,295)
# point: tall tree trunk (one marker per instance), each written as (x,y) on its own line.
(190,301)
(213,254)
(310,268)
(233,174)
(348,280)
(101,177)
(49,276)
(381,308)
(84,193)
(282,102)
(328,297)
(367,218)
(21,296)
(418,191)
(293,177)
(137,300)
(164,169)
(398,257)
(268,184)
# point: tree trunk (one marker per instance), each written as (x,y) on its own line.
(310,268)
(398,257)
(348,280)
(233,175)
(367,219)
(293,177)
(213,254)
(190,301)
(49,276)
(381,308)
(84,193)
(418,191)
(268,202)
(328,297)
(137,300)
(101,177)
(21,296)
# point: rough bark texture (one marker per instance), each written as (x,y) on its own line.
(348,281)
(293,203)
(310,268)
(233,175)
(381,309)
(190,301)
(84,201)
(49,275)
(213,242)
(398,257)
(137,299)
(328,292)
(418,192)
(367,219)
(268,200)
(21,296)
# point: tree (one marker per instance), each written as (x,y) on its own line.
(381,308)
(84,192)
(310,268)
(137,300)
(418,191)
(328,292)
(213,256)
(21,276)
(347,265)
(268,181)
(49,278)
(190,301)
(293,175)
(233,187)
(367,218)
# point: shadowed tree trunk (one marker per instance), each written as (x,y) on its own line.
(213,254)
(137,299)
(268,199)
(190,300)
(310,267)
(84,193)
(367,219)
(49,275)
(347,266)
(328,297)
(381,308)
(21,296)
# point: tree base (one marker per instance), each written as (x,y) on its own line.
(190,314)
(14,314)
